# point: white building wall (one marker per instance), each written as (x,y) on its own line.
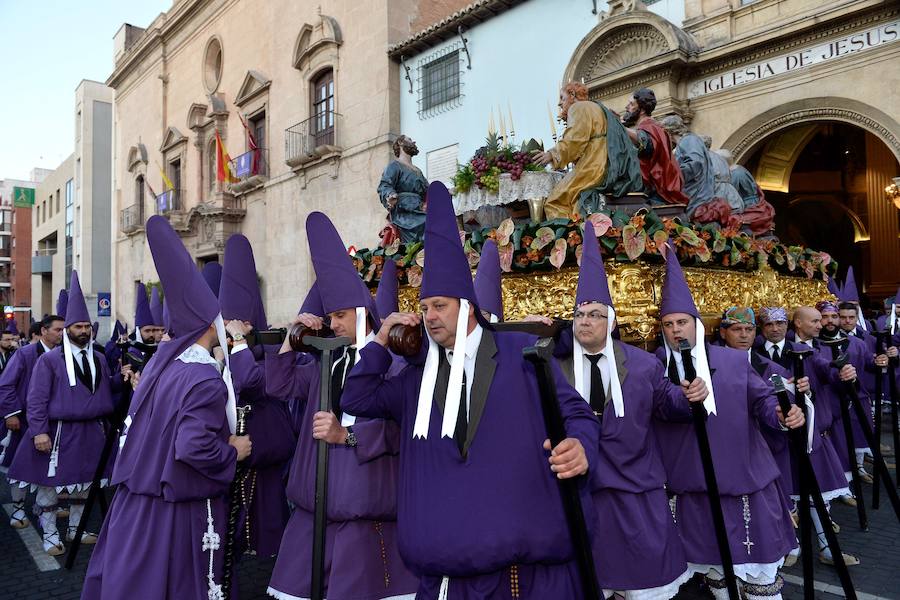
(518,59)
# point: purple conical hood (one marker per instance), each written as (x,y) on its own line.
(156,307)
(192,306)
(339,283)
(212,274)
(446,271)
(62,303)
(76,311)
(11,326)
(592,283)
(488,287)
(167,319)
(386,299)
(676,296)
(833,287)
(312,304)
(849,291)
(142,314)
(239,294)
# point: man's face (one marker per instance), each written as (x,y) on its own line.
(590,325)
(409,146)
(897,309)
(7,341)
(632,113)
(52,336)
(830,323)
(440,314)
(774,331)
(151,334)
(343,323)
(80,333)
(739,336)
(848,319)
(808,322)
(565,101)
(677,327)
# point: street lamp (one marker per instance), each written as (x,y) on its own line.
(893,192)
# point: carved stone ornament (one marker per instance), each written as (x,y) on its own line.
(623,49)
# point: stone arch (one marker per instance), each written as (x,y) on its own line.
(625,42)
(750,136)
(860,231)
(137,155)
(323,38)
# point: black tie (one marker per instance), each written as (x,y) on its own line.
(338,375)
(86,369)
(776,355)
(598,393)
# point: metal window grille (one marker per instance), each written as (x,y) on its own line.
(440,82)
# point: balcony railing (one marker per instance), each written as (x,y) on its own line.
(313,138)
(5,252)
(168,201)
(250,164)
(5,228)
(131,219)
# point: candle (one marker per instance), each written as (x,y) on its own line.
(491,128)
(503,141)
(512,128)
(552,121)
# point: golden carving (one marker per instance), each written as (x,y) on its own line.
(636,289)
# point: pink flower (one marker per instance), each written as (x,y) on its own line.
(558,254)
(601,223)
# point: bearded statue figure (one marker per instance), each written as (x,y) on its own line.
(402,191)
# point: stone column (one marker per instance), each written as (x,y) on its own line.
(884,245)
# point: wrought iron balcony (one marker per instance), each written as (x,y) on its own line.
(315,138)
(131,219)
(251,169)
(168,202)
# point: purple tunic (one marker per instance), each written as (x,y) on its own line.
(519,518)
(745,470)
(269,427)
(637,545)
(861,357)
(174,471)
(71,416)
(14,395)
(362,561)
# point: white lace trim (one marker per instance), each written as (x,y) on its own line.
(197,354)
(829,495)
(762,572)
(211,543)
(74,487)
(530,186)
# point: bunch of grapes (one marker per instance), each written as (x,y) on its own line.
(514,163)
(490,180)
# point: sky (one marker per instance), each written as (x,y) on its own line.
(46,48)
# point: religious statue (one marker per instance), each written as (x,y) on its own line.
(694,161)
(606,162)
(662,177)
(757,214)
(402,191)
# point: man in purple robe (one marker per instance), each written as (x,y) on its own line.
(264,504)
(488,286)
(757,516)
(637,550)
(861,356)
(69,396)
(361,557)
(479,509)
(163,537)
(14,402)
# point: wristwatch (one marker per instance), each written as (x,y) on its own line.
(238,337)
(350,442)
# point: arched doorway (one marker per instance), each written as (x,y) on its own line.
(826,180)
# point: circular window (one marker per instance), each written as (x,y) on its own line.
(212,65)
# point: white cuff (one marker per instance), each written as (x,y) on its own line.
(12,414)
(238,346)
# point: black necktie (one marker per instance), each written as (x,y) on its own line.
(86,369)
(598,393)
(776,355)
(461,432)
(338,375)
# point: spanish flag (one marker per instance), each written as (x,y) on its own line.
(223,170)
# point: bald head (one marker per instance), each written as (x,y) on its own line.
(807,322)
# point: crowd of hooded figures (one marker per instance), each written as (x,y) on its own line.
(442,479)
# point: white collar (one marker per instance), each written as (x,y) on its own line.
(46,348)
(701,364)
(779,345)
(473,341)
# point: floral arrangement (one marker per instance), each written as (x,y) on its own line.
(527,247)
(492,160)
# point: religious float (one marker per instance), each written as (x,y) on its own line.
(499,194)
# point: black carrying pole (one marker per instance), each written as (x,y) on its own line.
(698,414)
(809,489)
(848,391)
(895,407)
(880,374)
(234,508)
(874,445)
(540,356)
(326,360)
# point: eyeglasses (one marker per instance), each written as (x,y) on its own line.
(594,315)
